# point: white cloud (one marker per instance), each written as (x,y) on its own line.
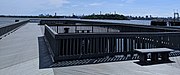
(75,5)
(121,4)
(129,1)
(95,4)
(125,2)
(58,2)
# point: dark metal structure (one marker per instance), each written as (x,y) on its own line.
(70,42)
(176,16)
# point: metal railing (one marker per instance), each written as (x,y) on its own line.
(99,28)
(6,29)
(70,46)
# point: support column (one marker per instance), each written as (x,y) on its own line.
(125,46)
(154,57)
(165,56)
(143,57)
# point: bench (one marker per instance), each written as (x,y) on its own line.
(82,31)
(156,53)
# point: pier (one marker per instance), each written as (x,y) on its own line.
(104,40)
(22,51)
(19,52)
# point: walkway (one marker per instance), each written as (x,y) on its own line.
(19,52)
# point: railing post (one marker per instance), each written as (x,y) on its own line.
(57,30)
(92,29)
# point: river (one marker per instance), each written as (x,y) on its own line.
(8,21)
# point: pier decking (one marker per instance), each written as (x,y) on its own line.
(19,55)
(19,52)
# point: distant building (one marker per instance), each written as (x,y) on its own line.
(55,14)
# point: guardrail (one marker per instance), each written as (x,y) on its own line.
(59,28)
(6,29)
(70,46)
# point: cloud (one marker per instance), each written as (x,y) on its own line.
(129,1)
(95,4)
(125,2)
(120,4)
(75,5)
(58,2)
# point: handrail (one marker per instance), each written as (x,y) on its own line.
(7,28)
(72,46)
(99,23)
(51,29)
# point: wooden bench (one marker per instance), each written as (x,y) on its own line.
(82,31)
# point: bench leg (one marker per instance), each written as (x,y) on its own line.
(143,58)
(165,56)
(154,57)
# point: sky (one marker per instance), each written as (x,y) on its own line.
(156,8)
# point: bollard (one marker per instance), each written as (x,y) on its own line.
(88,31)
(82,31)
(16,20)
(66,30)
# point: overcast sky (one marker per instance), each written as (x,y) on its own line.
(79,7)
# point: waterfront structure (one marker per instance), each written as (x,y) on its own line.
(176,17)
(6,29)
(99,40)
(164,22)
(23,52)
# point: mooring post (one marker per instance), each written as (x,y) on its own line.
(57,29)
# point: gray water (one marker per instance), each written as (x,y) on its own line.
(8,21)
(139,22)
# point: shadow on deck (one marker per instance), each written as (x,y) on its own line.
(44,56)
(148,63)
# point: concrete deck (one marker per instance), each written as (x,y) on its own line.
(19,52)
(19,55)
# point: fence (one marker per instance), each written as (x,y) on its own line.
(5,29)
(94,44)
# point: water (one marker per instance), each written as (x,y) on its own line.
(7,21)
(139,22)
